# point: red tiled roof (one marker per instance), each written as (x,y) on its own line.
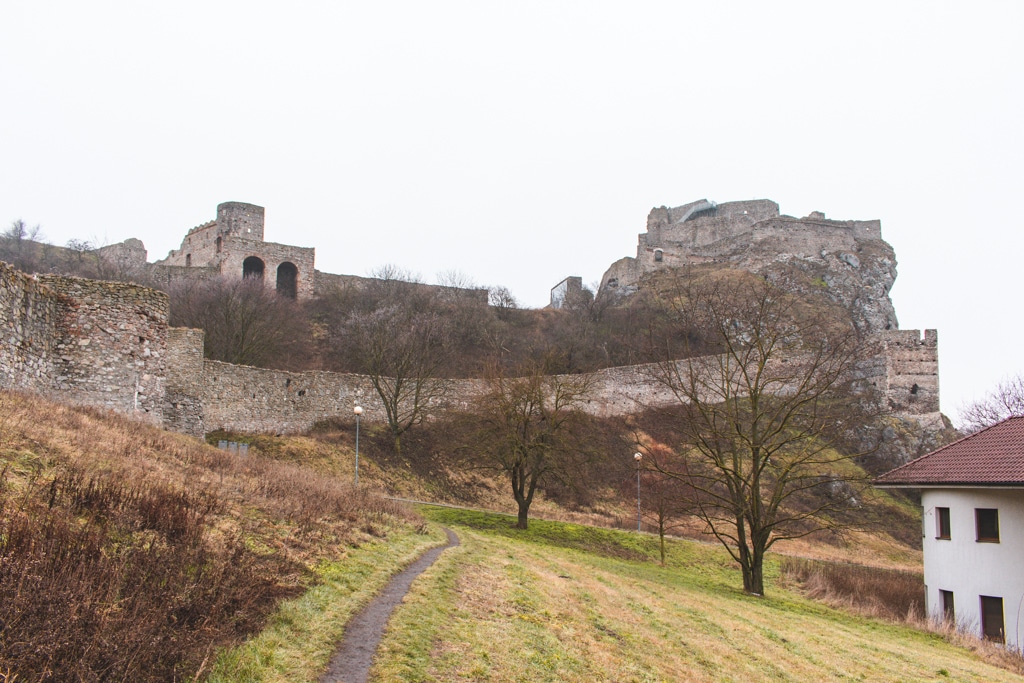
(992,457)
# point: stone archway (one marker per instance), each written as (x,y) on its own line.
(253,267)
(288,280)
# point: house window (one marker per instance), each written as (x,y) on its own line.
(987,521)
(946,600)
(992,619)
(942,523)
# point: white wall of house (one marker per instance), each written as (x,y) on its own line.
(971,569)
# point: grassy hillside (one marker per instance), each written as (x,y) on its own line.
(129,553)
(563,603)
(567,603)
(146,555)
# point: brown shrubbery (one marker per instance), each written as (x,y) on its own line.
(131,554)
(871,591)
(108,580)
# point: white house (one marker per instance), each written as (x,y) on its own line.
(972,492)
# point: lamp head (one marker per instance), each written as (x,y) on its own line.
(358,410)
(638,456)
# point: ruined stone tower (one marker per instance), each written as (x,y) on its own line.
(232,245)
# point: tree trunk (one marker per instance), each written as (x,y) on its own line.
(524,510)
(756,577)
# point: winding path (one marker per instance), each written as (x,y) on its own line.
(352,662)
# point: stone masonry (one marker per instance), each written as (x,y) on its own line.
(85,341)
(108,343)
(849,258)
(233,245)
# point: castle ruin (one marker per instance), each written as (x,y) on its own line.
(233,245)
(108,344)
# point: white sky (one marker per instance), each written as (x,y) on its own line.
(522,142)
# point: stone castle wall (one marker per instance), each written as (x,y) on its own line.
(27,332)
(236,235)
(911,371)
(85,341)
(108,344)
(111,338)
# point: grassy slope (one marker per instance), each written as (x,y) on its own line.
(563,603)
(297,530)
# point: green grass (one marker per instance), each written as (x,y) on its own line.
(304,633)
(565,603)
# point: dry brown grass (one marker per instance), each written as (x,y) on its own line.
(893,595)
(129,553)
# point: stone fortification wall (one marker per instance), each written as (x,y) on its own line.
(236,235)
(111,339)
(246,399)
(85,341)
(167,276)
(911,370)
(108,344)
(183,403)
(27,332)
(330,283)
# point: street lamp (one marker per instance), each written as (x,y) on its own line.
(358,410)
(638,457)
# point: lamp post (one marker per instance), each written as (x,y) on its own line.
(358,410)
(638,457)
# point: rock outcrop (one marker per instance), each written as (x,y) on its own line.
(849,260)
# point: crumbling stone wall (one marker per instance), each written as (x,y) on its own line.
(911,371)
(27,331)
(183,403)
(85,341)
(849,255)
(111,339)
(224,244)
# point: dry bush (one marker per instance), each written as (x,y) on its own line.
(888,594)
(109,580)
(871,591)
(128,553)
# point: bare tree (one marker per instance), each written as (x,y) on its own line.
(663,500)
(1006,400)
(403,350)
(20,245)
(244,322)
(762,416)
(532,428)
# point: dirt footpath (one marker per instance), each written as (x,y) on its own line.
(351,663)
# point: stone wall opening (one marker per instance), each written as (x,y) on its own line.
(287,280)
(253,267)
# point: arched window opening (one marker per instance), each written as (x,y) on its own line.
(287,280)
(220,244)
(188,260)
(253,267)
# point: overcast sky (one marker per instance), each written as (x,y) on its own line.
(522,142)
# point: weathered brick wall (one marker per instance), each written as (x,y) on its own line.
(27,331)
